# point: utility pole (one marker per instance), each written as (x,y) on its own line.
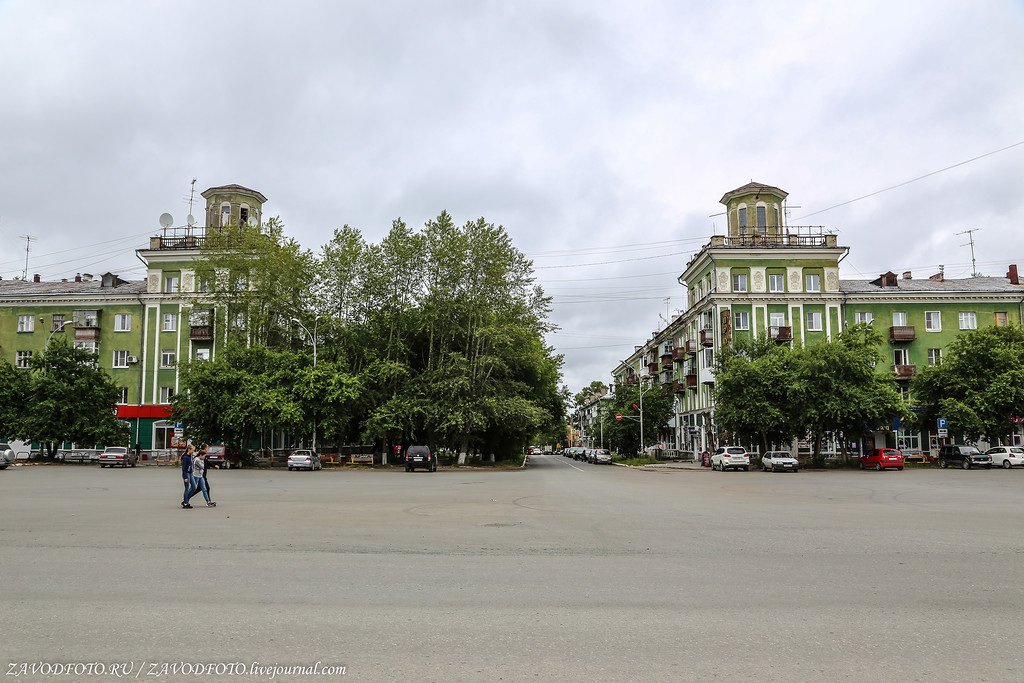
(28,242)
(970,234)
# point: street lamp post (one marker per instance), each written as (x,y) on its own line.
(57,329)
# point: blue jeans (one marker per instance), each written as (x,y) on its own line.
(200,485)
(189,485)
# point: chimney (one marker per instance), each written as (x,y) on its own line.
(35,278)
(78,277)
(906,275)
(1012,275)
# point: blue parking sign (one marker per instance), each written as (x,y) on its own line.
(942,422)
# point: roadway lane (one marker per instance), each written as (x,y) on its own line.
(563,571)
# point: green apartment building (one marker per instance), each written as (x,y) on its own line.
(138,329)
(767,278)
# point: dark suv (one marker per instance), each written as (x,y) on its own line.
(420,456)
(965,456)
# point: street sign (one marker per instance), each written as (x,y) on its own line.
(693,430)
(618,416)
(942,432)
(941,423)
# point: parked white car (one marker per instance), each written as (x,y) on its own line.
(779,461)
(6,456)
(730,457)
(1006,456)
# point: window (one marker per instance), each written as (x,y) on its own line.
(170,322)
(899,319)
(171,284)
(203,282)
(708,358)
(86,317)
(739,283)
(932,321)
(934,356)
(968,320)
(901,357)
(243,215)
(762,218)
(58,322)
(122,395)
(26,323)
(166,394)
(1001,319)
(741,320)
(89,346)
(863,317)
(743,218)
(122,322)
(777,319)
(120,359)
(812,282)
(814,321)
(167,358)
(22,358)
(776,282)
(202,354)
(225,215)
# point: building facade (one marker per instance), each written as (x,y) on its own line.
(139,330)
(768,278)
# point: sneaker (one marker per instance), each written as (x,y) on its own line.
(211,504)
(186,506)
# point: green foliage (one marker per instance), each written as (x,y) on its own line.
(14,393)
(753,380)
(978,387)
(67,398)
(624,434)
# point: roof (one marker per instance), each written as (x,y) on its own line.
(233,189)
(754,188)
(925,285)
(94,287)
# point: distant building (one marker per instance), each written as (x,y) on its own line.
(768,278)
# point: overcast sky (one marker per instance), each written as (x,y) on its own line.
(600,134)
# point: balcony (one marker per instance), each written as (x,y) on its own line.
(780,333)
(631,380)
(904,371)
(679,355)
(707,337)
(87,334)
(902,333)
(691,346)
(691,381)
(200,332)
(653,368)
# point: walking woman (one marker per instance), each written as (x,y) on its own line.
(186,474)
(198,469)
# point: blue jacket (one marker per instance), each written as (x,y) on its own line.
(186,465)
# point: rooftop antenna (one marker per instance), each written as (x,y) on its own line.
(28,242)
(191,196)
(970,234)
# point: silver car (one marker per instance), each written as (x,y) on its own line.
(6,456)
(779,461)
(602,456)
(118,456)
(304,460)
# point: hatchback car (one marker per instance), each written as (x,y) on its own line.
(304,460)
(222,456)
(965,456)
(600,456)
(118,456)
(779,461)
(1006,456)
(420,456)
(882,459)
(730,457)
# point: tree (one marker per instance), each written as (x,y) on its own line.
(753,378)
(836,391)
(14,393)
(979,385)
(70,399)
(624,434)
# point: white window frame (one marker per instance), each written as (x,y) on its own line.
(22,359)
(934,357)
(26,323)
(899,318)
(172,284)
(776,283)
(170,322)
(814,321)
(741,320)
(968,320)
(122,322)
(168,358)
(202,354)
(166,394)
(864,317)
(739,282)
(122,398)
(812,282)
(776,320)
(120,359)
(57,322)
(933,321)
(901,357)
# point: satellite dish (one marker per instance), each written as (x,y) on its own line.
(191,220)
(166,220)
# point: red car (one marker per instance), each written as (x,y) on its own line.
(882,458)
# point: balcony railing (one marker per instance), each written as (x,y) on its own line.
(901,333)
(691,381)
(652,368)
(707,337)
(679,355)
(780,333)
(904,371)
(201,332)
(793,236)
(691,346)
(87,334)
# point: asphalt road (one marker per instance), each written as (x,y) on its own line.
(560,572)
